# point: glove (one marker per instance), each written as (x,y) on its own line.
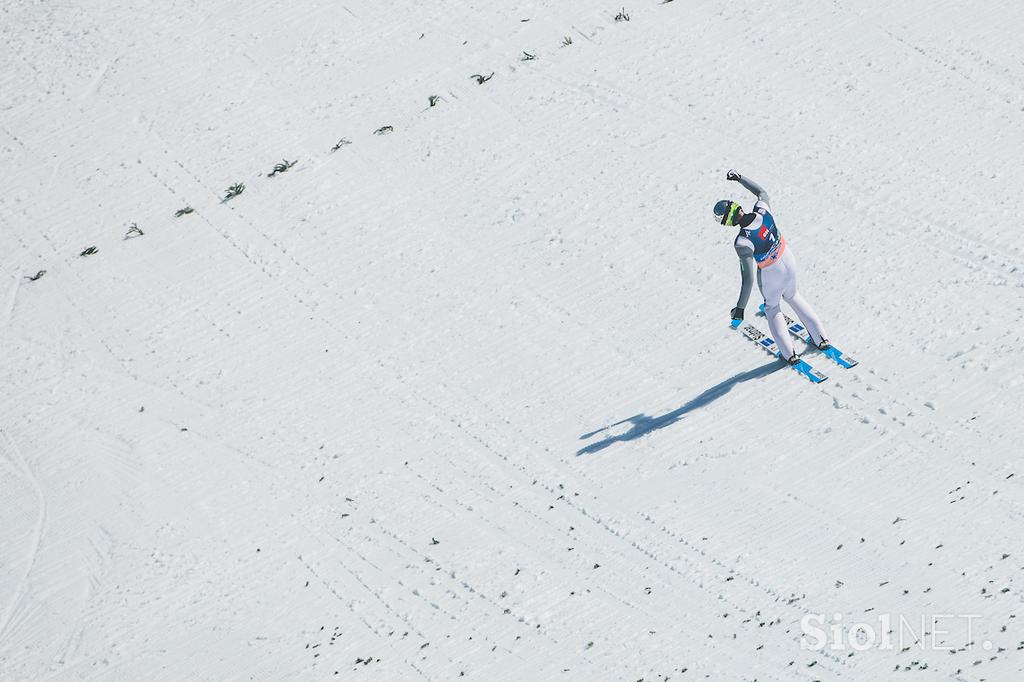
(737,313)
(732,175)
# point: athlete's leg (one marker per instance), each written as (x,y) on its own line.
(801,307)
(773,285)
(808,317)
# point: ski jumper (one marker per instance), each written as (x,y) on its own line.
(762,249)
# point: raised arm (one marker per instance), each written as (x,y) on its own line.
(750,185)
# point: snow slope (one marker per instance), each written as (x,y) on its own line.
(461,398)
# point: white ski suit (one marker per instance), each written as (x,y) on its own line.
(763,249)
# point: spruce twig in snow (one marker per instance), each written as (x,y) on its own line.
(341,143)
(384,130)
(566,41)
(434,99)
(234,190)
(89,251)
(282,167)
(39,275)
(183,211)
(527,57)
(480,80)
(133,231)
(622,15)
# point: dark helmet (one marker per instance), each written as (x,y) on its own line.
(728,212)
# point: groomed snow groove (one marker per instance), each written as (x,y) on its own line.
(448,390)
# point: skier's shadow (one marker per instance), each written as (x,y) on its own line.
(643,424)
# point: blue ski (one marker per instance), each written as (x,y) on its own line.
(832,353)
(768,344)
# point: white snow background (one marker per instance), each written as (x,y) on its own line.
(461,399)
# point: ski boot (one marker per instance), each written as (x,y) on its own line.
(794,359)
(823,344)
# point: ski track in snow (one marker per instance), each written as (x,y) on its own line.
(462,399)
(21,589)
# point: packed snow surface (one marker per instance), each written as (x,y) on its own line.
(455,395)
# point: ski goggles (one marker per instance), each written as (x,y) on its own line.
(727,211)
